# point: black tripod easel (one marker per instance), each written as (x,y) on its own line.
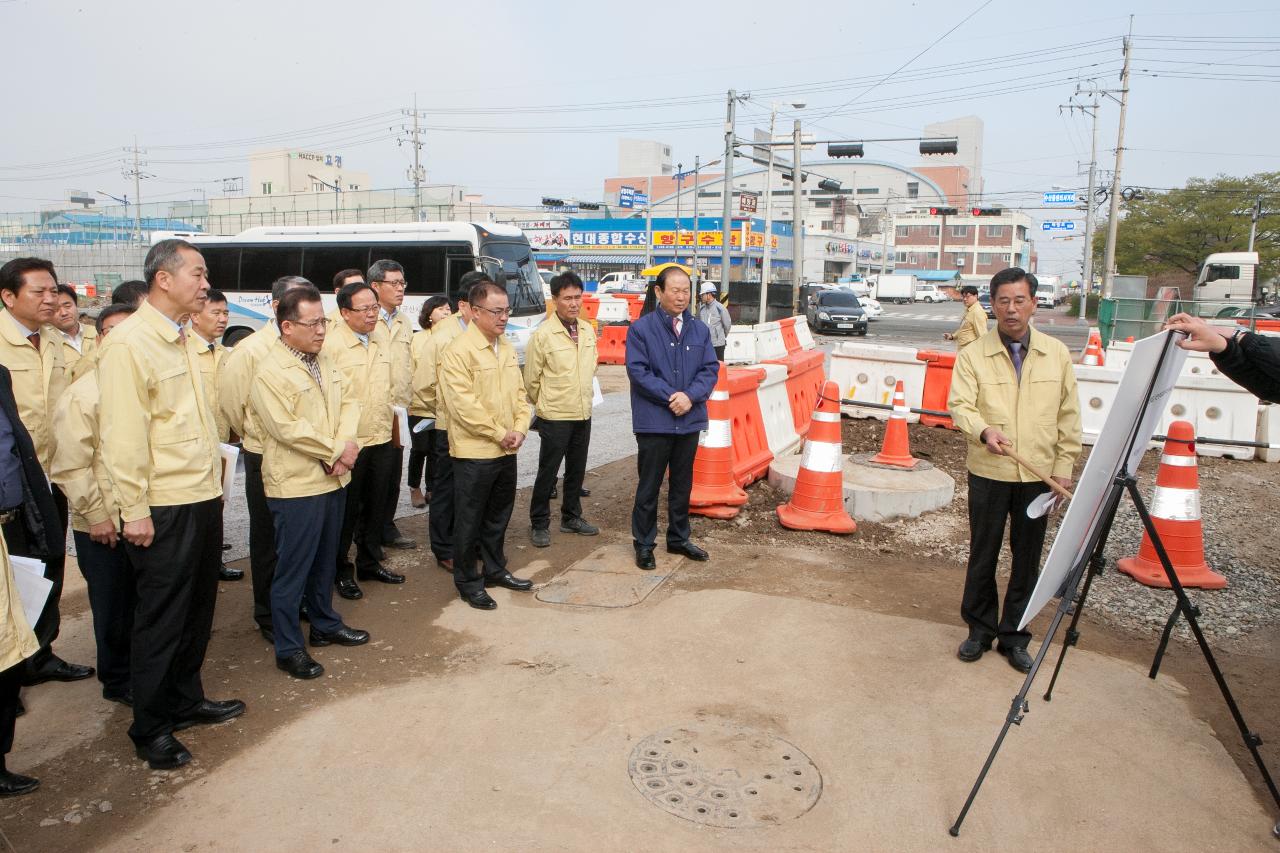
(1092,563)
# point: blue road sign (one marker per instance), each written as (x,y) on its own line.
(1058,225)
(1060,197)
(641,199)
(626,196)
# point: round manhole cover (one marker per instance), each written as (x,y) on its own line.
(722,775)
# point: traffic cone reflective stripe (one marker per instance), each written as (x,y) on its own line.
(715,493)
(1093,355)
(818,500)
(1175,512)
(896,449)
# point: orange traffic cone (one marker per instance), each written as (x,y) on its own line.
(818,500)
(715,493)
(1093,355)
(1175,511)
(896,449)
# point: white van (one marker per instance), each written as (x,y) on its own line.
(928,293)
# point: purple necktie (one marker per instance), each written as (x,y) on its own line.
(1015,349)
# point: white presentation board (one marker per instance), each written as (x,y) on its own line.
(1148,379)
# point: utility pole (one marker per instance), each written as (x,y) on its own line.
(726,226)
(768,222)
(135,172)
(797,218)
(1090,206)
(679,192)
(648,222)
(1113,213)
(417,174)
(697,167)
(1253,226)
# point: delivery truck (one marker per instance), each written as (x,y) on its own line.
(899,288)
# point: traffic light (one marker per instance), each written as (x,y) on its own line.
(844,149)
(588,205)
(942,211)
(828,185)
(986,211)
(939,146)
(552,202)
(804,176)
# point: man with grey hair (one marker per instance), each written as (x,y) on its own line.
(234,383)
(387,279)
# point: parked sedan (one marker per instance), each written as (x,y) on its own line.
(984,299)
(837,311)
(871,307)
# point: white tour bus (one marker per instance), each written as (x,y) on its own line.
(435,255)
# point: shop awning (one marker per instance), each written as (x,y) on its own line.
(602,258)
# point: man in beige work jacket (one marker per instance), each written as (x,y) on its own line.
(1015,387)
(974,323)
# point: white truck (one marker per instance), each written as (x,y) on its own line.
(1226,277)
(898,288)
(1050,291)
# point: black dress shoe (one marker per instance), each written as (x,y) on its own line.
(404,543)
(480,600)
(56,669)
(124,697)
(578,526)
(693,552)
(1017,656)
(300,665)
(510,581)
(267,634)
(584,492)
(15,784)
(304,615)
(209,713)
(972,649)
(644,559)
(163,752)
(226,573)
(555,493)
(344,636)
(381,574)
(349,589)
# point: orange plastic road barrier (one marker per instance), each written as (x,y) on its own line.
(818,500)
(937,386)
(715,493)
(635,301)
(1175,511)
(590,306)
(789,338)
(751,454)
(611,346)
(804,379)
(896,449)
(1093,355)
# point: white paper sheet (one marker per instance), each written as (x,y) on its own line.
(597,397)
(424,425)
(32,586)
(230,453)
(401,414)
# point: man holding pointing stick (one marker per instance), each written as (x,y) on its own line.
(1014,388)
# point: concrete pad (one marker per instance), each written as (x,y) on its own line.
(525,744)
(608,577)
(877,492)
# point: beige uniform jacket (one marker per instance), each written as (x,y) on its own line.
(484,393)
(77,461)
(1040,414)
(558,372)
(74,361)
(972,326)
(39,378)
(158,441)
(367,370)
(420,404)
(426,372)
(302,424)
(211,362)
(400,335)
(17,641)
(234,381)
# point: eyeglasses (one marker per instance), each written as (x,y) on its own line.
(1020,301)
(372,309)
(398,285)
(313,325)
(496,312)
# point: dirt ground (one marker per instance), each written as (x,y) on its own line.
(95,794)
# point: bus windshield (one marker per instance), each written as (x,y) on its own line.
(511,265)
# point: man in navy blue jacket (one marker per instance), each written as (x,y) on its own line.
(672,367)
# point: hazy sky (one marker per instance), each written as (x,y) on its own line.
(525,99)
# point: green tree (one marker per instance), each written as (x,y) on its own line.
(1170,233)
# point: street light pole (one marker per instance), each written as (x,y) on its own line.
(797,218)
(768,222)
(697,166)
(1113,214)
(679,189)
(726,225)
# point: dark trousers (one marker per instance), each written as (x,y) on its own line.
(177,580)
(391,496)
(659,454)
(10,684)
(420,457)
(990,503)
(484,493)
(307,530)
(20,544)
(565,441)
(719,352)
(262,538)
(113,597)
(441,520)
(366,511)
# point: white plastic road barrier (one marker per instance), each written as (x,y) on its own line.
(775,408)
(612,310)
(1215,406)
(803,334)
(1197,363)
(870,372)
(1269,431)
(740,346)
(769,343)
